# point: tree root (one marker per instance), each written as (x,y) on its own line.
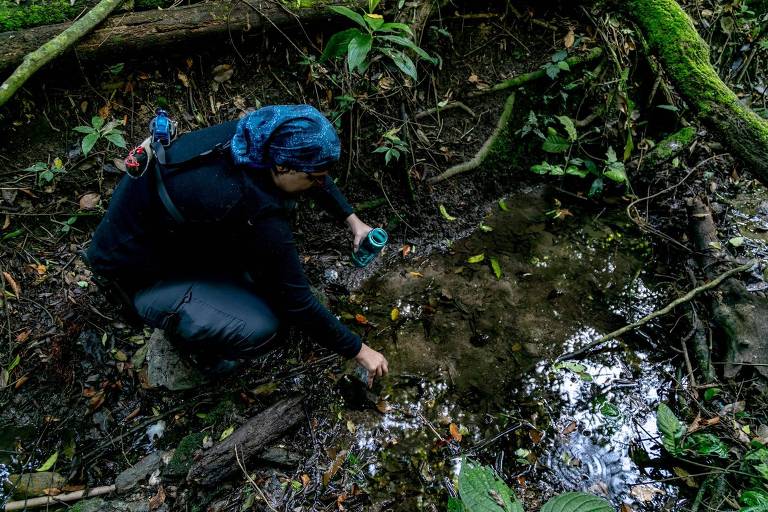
(47,501)
(478,159)
(669,307)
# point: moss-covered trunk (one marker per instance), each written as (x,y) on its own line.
(685,57)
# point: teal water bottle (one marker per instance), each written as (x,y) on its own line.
(370,247)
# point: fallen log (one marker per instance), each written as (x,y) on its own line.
(221,461)
(742,317)
(50,501)
(684,56)
(49,50)
(139,31)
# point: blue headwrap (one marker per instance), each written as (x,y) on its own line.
(294,136)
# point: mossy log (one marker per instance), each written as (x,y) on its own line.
(244,444)
(157,29)
(685,58)
(55,47)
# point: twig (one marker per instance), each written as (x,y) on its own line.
(237,457)
(447,106)
(61,498)
(669,307)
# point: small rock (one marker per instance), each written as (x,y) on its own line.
(33,484)
(133,475)
(281,457)
(166,368)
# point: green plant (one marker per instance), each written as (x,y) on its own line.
(46,173)
(374,35)
(480,490)
(392,146)
(556,64)
(97,131)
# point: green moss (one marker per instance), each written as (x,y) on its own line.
(16,17)
(671,146)
(221,413)
(182,457)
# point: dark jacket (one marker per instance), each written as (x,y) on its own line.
(236,220)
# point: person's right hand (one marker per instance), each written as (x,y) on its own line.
(373,361)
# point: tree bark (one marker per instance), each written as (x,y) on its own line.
(220,462)
(55,47)
(140,31)
(685,58)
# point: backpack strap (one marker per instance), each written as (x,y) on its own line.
(162,191)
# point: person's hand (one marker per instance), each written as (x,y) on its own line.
(373,361)
(359,230)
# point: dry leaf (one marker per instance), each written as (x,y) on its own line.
(386,83)
(570,37)
(184,79)
(222,73)
(535,436)
(22,336)
(120,164)
(626,508)
(351,427)
(10,281)
(699,423)
(394,314)
(570,428)
(189,62)
(51,491)
(686,477)
(305,481)
(105,111)
(455,434)
(361,319)
(39,268)
(6,222)
(158,499)
(328,475)
(383,407)
(645,493)
(415,274)
(90,201)
(473,79)
(20,381)
(406,250)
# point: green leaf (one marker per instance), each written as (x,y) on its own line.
(496,267)
(736,241)
(359,46)
(560,56)
(396,27)
(48,464)
(711,393)
(97,122)
(372,5)
(555,143)
(577,502)
(563,65)
(616,173)
(552,70)
(349,13)
(609,410)
(116,139)
(481,491)
(227,433)
(374,21)
(485,228)
(672,429)
(579,369)
(477,258)
(338,44)
(754,501)
(668,107)
(445,214)
(596,189)
(83,129)
(14,363)
(402,61)
(89,141)
(46,176)
(455,505)
(570,128)
(576,171)
(610,155)
(503,205)
(402,41)
(707,444)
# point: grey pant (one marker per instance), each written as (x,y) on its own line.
(216,316)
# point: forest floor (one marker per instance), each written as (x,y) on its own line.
(467,346)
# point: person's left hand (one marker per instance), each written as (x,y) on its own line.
(359,230)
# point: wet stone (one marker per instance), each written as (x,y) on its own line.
(141,470)
(33,484)
(167,368)
(102,505)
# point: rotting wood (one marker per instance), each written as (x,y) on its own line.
(142,31)
(51,49)
(220,462)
